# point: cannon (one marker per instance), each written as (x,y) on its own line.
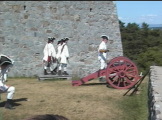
(120,73)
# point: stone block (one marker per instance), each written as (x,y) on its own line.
(2,39)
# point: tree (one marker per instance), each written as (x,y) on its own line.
(142,44)
(122,27)
(145,29)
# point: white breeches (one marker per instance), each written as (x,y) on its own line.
(63,66)
(10,91)
(50,65)
(103,65)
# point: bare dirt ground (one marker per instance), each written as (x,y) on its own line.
(93,101)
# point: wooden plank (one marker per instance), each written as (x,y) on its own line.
(48,76)
(44,77)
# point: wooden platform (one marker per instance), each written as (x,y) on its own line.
(44,77)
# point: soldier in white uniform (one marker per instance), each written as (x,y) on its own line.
(63,54)
(102,53)
(5,64)
(5,76)
(58,53)
(49,56)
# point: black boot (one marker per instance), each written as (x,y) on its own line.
(59,72)
(65,73)
(8,104)
(53,72)
(102,79)
(45,72)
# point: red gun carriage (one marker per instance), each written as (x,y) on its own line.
(120,73)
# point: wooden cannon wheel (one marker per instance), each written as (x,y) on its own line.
(121,73)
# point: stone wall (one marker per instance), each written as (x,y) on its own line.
(26,25)
(155,93)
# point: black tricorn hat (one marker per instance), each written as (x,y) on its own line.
(61,40)
(51,38)
(65,39)
(105,37)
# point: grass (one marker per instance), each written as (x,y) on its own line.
(92,101)
(136,107)
(1,116)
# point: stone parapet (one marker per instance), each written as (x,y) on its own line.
(155,93)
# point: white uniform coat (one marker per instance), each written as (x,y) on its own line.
(102,56)
(63,53)
(58,55)
(3,87)
(49,50)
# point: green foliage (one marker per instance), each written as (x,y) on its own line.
(142,44)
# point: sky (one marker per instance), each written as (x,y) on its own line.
(138,12)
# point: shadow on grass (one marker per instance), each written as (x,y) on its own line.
(95,84)
(14,102)
(90,84)
(54,79)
